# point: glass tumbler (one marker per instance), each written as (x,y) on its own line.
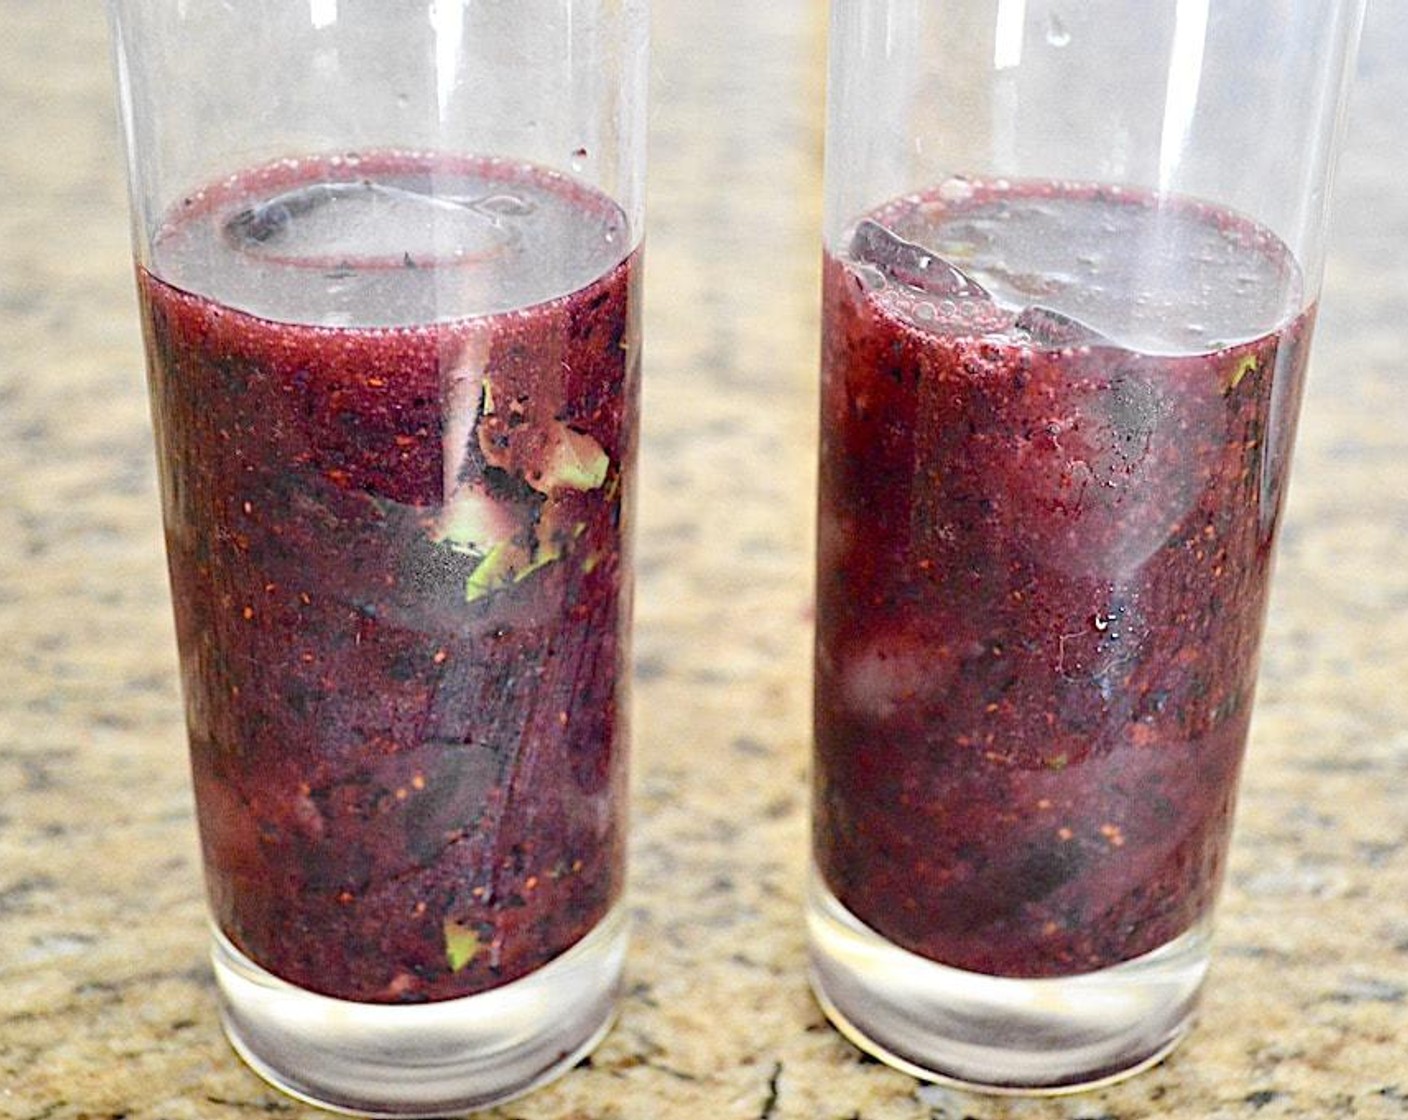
(1072,257)
(388,265)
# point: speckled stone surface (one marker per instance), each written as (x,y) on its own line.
(106,1007)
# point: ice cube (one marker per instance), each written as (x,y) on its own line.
(895,670)
(363,221)
(1049,327)
(912,265)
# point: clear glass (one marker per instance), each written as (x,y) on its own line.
(1072,257)
(388,264)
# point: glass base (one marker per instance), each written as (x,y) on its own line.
(426,1059)
(994,1034)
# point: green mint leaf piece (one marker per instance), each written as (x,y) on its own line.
(496,570)
(461,944)
(1240,370)
(577,462)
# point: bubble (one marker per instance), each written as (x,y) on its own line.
(956,190)
(1057,34)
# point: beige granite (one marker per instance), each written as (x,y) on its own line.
(106,1007)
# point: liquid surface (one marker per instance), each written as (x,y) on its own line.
(1047,511)
(392,241)
(1161,277)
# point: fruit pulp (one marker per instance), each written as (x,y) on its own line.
(395,399)
(1056,423)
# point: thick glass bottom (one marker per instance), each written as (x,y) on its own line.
(995,1034)
(426,1059)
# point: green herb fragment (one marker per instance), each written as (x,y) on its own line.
(578,462)
(1057,762)
(546,556)
(461,944)
(494,571)
(1245,366)
(504,564)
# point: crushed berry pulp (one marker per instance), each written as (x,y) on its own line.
(396,444)
(1051,471)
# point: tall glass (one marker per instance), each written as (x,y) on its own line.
(388,266)
(1072,259)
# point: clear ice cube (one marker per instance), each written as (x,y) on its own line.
(912,265)
(370,221)
(1048,327)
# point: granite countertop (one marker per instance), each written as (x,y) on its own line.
(106,1002)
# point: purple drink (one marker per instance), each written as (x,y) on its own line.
(397,435)
(1051,474)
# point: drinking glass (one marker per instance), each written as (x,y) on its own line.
(387,260)
(1072,258)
